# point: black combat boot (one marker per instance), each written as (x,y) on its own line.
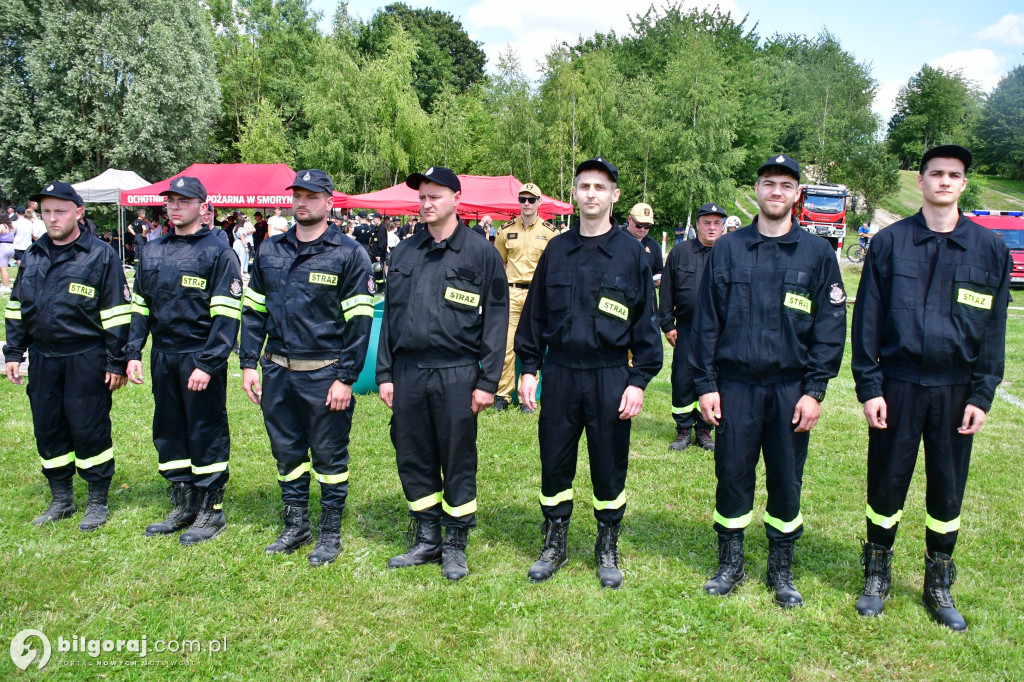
(554,554)
(705,440)
(210,519)
(500,404)
(939,576)
(295,534)
(62,502)
(453,553)
(96,511)
(730,572)
(780,574)
(877,561)
(185,498)
(424,545)
(328,541)
(682,441)
(606,552)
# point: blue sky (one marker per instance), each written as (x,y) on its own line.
(895,38)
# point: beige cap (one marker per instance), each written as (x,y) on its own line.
(642,213)
(530,188)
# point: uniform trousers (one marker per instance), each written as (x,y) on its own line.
(433,429)
(913,413)
(307,438)
(578,400)
(685,409)
(190,428)
(758,419)
(71,415)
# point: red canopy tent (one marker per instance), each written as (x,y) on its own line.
(240,185)
(480,195)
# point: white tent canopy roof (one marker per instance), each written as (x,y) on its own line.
(106,187)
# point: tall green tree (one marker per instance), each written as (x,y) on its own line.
(1000,127)
(514,132)
(446,56)
(934,107)
(263,138)
(100,83)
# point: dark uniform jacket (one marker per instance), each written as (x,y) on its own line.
(317,305)
(188,291)
(931,310)
(69,304)
(652,250)
(591,301)
(684,270)
(447,306)
(769,310)
(378,243)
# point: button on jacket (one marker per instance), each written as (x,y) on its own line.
(948,296)
(188,291)
(587,312)
(521,246)
(684,270)
(769,310)
(317,305)
(71,303)
(457,313)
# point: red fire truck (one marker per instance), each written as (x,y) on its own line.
(821,210)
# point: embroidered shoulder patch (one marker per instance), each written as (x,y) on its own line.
(836,295)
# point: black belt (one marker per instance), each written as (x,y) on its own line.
(518,285)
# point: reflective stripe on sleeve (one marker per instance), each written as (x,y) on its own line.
(357,301)
(116,311)
(361,310)
(90,462)
(737,522)
(255,300)
(883,521)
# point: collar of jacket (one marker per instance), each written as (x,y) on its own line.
(754,236)
(83,242)
(605,245)
(958,236)
(330,236)
(201,232)
(454,242)
(698,246)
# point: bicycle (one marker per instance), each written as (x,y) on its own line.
(856,253)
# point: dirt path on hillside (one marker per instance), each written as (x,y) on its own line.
(884,218)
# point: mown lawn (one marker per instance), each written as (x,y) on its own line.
(282,619)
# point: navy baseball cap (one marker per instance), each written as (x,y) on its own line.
(948,151)
(57,190)
(187,187)
(362,214)
(780,162)
(437,174)
(314,180)
(711,209)
(20,210)
(599,163)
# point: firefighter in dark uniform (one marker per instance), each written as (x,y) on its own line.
(363,231)
(377,247)
(768,334)
(929,330)
(311,299)
(70,309)
(188,292)
(439,357)
(639,223)
(684,270)
(590,303)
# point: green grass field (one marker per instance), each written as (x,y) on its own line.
(281,619)
(1000,194)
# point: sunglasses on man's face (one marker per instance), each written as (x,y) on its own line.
(527,200)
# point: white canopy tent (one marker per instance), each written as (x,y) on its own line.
(106,188)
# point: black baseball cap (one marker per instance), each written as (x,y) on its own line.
(780,162)
(314,180)
(57,190)
(362,214)
(186,187)
(437,174)
(948,151)
(598,163)
(711,209)
(19,210)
